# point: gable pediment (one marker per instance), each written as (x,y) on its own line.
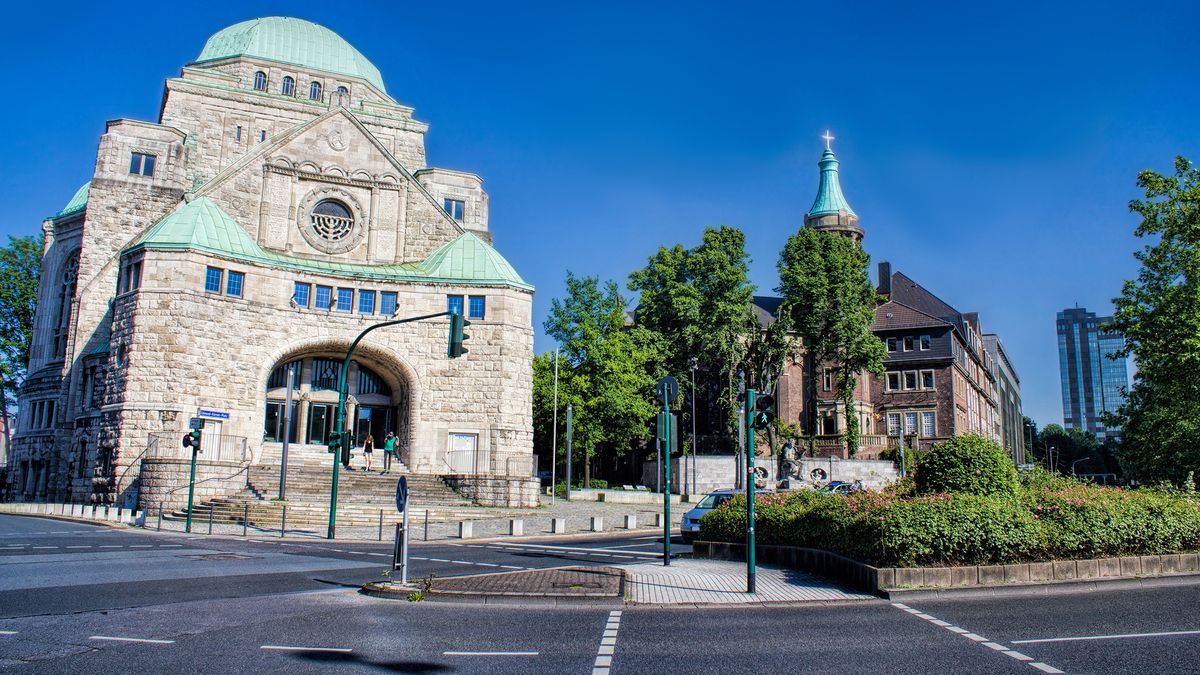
(328,189)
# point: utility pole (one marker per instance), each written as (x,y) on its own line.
(750,566)
(287,432)
(554,434)
(569,410)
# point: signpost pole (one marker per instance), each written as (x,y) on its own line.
(750,494)
(568,494)
(191,492)
(287,429)
(667,469)
(404,550)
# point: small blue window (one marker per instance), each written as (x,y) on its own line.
(300,295)
(314,91)
(454,304)
(345,300)
(366,302)
(212,280)
(324,297)
(233,284)
(289,86)
(455,207)
(260,81)
(475,307)
(387,303)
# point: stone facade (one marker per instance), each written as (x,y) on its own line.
(133,337)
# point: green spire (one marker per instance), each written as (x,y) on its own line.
(830,199)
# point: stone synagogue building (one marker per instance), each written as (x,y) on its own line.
(280,204)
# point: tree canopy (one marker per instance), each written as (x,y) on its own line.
(20,269)
(1159,314)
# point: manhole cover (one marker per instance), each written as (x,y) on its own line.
(576,584)
(219,556)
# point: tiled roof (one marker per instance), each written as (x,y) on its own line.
(78,201)
(908,292)
(202,225)
(766,308)
(894,315)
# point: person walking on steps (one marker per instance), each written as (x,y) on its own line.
(368,448)
(389,447)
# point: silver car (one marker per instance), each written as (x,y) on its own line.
(689,528)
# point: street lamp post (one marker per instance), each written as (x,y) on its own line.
(693,364)
(554,434)
(1076,462)
(339,427)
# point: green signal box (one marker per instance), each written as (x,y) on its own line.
(661,430)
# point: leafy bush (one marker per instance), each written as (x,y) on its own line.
(560,488)
(967,464)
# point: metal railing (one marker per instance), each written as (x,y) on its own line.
(213,448)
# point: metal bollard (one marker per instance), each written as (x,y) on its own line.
(245,519)
(283,522)
(210,512)
(427,524)
(380,538)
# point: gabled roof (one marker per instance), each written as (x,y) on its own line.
(893,315)
(202,225)
(908,292)
(766,308)
(78,201)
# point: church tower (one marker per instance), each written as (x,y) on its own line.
(830,210)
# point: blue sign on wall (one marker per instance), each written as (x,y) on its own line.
(212,414)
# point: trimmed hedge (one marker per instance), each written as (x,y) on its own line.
(968,464)
(1058,519)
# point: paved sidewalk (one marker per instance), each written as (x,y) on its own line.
(692,581)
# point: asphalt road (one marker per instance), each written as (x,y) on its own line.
(130,601)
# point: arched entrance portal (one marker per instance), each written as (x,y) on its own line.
(377,401)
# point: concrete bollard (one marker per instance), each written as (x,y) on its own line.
(631,522)
(516,527)
(558,525)
(597,524)
(466,529)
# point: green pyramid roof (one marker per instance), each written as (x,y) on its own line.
(78,202)
(202,225)
(295,41)
(829,193)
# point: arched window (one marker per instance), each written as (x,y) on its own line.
(314,91)
(66,298)
(332,220)
(289,86)
(260,81)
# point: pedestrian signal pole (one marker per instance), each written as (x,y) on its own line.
(750,492)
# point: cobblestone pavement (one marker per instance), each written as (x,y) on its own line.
(586,582)
(689,581)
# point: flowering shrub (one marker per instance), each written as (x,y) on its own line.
(1048,518)
(968,464)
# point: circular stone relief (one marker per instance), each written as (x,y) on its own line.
(330,220)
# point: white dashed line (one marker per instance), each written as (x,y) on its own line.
(8,632)
(110,546)
(1108,637)
(45,547)
(129,639)
(995,646)
(608,644)
(489,653)
(288,648)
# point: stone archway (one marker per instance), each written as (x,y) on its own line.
(383,395)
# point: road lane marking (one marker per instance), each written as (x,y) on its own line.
(289,648)
(129,639)
(995,646)
(1108,637)
(110,546)
(79,547)
(580,549)
(8,632)
(489,653)
(608,644)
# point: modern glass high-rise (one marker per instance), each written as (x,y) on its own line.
(1092,381)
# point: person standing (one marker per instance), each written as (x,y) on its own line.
(368,448)
(389,447)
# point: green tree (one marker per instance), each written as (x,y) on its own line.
(20,267)
(828,296)
(1159,314)
(612,367)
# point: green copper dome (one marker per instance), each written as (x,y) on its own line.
(830,199)
(294,41)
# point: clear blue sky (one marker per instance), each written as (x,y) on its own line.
(990,152)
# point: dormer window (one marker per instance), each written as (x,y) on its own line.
(314,91)
(455,207)
(260,81)
(289,86)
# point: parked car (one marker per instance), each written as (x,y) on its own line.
(838,487)
(689,528)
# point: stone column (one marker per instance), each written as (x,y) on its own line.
(302,419)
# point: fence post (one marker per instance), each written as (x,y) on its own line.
(426,523)
(283,522)
(160,516)
(380,525)
(245,519)
(210,512)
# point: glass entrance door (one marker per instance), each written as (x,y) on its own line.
(320,422)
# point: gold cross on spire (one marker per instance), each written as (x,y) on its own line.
(828,140)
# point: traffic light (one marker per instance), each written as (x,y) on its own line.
(335,441)
(764,412)
(457,324)
(192,440)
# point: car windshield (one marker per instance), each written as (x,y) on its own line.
(713,501)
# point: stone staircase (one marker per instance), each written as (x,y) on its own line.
(362,497)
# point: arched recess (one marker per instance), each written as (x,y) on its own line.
(384,394)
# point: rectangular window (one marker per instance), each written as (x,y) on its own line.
(455,207)
(893,344)
(928,424)
(387,303)
(135,276)
(910,422)
(927,379)
(262,135)
(324,297)
(893,381)
(475,307)
(300,294)
(141,163)
(345,299)
(893,424)
(212,279)
(366,302)
(238,134)
(908,343)
(454,304)
(926,343)
(826,379)
(233,284)
(910,379)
